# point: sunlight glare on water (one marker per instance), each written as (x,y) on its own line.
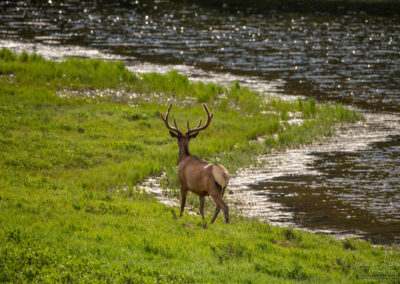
(345,185)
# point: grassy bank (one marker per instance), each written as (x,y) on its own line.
(77,136)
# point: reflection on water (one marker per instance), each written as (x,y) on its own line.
(348,185)
(353,192)
(353,58)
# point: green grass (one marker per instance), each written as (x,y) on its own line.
(70,208)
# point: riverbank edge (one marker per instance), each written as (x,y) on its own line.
(72,233)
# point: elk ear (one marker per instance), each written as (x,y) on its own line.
(193,136)
(173,134)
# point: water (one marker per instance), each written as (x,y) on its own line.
(348,185)
(352,191)
(353,58)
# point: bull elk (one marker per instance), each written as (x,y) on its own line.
(200,177)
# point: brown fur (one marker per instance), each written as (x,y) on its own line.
(200,177)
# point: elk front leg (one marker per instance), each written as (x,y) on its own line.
(202,200)
(183,199)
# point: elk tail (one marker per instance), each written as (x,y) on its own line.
(221,176)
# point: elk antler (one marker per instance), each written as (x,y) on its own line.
(175,129)
(198,128)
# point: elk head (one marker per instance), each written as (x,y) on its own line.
(183,139)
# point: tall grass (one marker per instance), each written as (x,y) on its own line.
(61,137)
(70,209)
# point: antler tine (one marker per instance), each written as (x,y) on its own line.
(188,127)
(176,126)
(198,128)
(165,119)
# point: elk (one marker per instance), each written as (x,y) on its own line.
(195,175)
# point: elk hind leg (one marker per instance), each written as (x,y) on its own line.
(217,209)
(220,205)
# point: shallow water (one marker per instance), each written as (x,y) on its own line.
(352,192)
(353,58)
(348,185)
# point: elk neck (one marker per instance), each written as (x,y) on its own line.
(183,150)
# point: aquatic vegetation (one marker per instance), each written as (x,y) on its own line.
(69,168)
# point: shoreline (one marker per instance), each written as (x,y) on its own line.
(250,203)
(71,210)
(258,174)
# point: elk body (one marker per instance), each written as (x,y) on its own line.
(200,177)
